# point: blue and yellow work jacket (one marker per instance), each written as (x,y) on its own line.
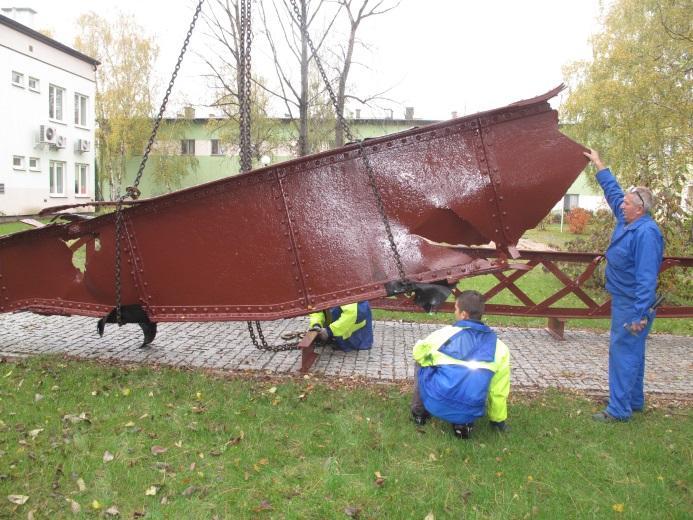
(464,366)
(634,254)
(349,326)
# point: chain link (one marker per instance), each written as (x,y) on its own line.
(133,191)
(246,38)
(362,150)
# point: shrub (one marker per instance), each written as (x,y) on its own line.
(578,219)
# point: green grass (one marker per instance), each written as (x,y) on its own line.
(8,228)
(298,448)
(552,235)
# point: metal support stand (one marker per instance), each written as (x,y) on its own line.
(556,327)
(308,355)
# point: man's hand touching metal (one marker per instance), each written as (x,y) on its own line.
(593,156)
(323,334)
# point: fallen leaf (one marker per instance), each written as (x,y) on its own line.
(264,506)
(164,500)
(30,514)
(352,511)
(430,516)
(215,453)
(465,495)
(151,491)
(34,433)
(178,444)
(81,485)
(112,511)
(618,508)
(198,396)
(272,390)
(192,467)
(107,456)
(379,479)
(126,392)
(264,462)
(38,397)
(144,416)
(129,424)
(158,450)
(432,456)
(74,506)
(95,504)
(18,499)
(188,491)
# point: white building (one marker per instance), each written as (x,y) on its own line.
(47,130)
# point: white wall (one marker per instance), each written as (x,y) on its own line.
(24,110)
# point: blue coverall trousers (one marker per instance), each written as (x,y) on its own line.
(626,361)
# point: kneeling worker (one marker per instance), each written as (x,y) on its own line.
(349,327)
(460,369)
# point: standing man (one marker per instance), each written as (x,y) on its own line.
(459,369)
(350,326)
(633,259)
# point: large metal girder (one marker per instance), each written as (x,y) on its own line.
(551,306)
(306,234)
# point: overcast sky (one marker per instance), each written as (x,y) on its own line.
(437,56)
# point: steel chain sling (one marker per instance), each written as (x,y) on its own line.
(133,191)
(245,143)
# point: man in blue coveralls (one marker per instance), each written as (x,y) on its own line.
(633,260)
(349,327)
(460,369)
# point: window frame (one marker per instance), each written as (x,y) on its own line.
(36,88)
(81,169)
(186,148)
(20,81)
(81,111)
(53,90)
(22,162)
(220,148)
(37,167)
(52,172)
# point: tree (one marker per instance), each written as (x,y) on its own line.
(169,166)
(123,94)
(355,17)
(633,102)
(223,60)
(294,92)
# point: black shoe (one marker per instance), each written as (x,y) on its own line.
(420,420)
(499,426)
(462,431)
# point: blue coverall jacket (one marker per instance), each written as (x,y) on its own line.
(633,260)
(349,326)
(463,367)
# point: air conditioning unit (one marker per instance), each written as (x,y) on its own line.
(48,134)
(60,141)
(82,145)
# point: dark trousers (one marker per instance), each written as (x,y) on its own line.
(417,406)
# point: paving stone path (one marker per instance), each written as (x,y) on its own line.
(538,361)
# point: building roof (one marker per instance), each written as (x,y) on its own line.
(13,24)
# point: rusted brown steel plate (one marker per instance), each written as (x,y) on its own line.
(551,305)
(306,234)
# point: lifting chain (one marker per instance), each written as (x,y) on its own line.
(133,191)
(245,143)
(362,149)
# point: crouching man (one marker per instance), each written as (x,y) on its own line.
(349,327)
(462,371)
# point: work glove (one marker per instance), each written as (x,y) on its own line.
(323,334)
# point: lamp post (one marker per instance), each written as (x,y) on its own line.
(265,160)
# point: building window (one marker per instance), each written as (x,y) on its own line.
(18,162)
(55,102)
(34,84)
(81,179)
(81,110)
(217,149)
(17,78)
(570,202)
(57,178)
(34,164)
(187,146)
